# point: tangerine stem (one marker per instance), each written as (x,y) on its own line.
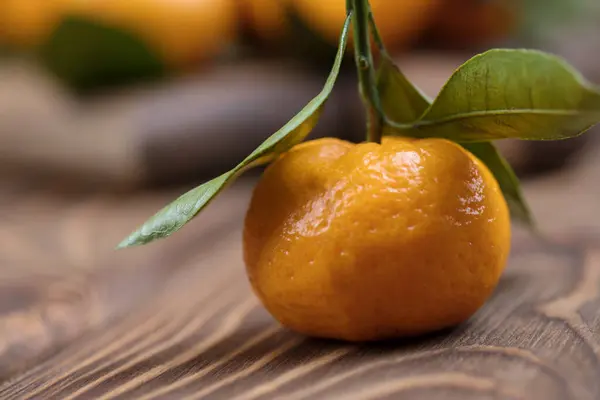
(365,68)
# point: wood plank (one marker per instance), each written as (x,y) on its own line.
(203,335)
(178,319)
(60,276)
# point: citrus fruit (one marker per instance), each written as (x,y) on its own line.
(26,23)
(399,21)
(266,18)
(471,23)
(373,241)
(183,32)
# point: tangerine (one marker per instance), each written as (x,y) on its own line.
(373,241)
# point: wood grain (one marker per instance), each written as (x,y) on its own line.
(178,320)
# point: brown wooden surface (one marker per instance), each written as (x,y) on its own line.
(177,319)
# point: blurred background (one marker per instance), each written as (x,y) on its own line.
(139,93)
(109,109)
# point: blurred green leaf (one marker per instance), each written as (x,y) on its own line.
(87,54)
(174,216)
(499,94)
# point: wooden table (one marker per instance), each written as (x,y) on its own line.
(177,319)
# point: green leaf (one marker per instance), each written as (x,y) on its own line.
(501,94)
(174,216)
(506,177)
(404,102)
(400,99)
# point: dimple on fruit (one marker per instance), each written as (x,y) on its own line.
(372,241)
